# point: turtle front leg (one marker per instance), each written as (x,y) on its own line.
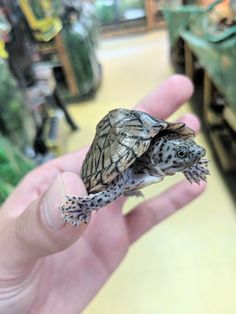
(197,172)
(77,209)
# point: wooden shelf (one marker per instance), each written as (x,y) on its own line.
(230,117)
(58,48)
(225,148)
(67,66)
(218,117)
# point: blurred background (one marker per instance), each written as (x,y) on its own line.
(64,64)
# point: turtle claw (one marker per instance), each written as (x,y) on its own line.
(76,219)
(197,172)
(71,212)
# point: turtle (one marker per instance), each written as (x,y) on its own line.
(131,150)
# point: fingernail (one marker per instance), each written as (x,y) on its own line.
(51,202)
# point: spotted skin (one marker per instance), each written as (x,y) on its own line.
(197,172)
(78,210)
(159,161)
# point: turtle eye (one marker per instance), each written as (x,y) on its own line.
(182,152)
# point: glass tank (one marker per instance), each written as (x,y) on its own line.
(114,11)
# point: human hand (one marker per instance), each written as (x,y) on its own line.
(49,267)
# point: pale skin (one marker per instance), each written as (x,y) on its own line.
(43,262)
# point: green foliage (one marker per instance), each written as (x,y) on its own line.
(5,190)
(15,120)
(13,166)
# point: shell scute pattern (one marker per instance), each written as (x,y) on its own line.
(121,136)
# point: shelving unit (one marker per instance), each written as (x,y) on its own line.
(152,20)
(207,56)
(219,119)
(57,48)
(66,65)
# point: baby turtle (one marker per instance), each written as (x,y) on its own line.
(131,150)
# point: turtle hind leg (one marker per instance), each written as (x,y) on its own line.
(73,213)
(77,209)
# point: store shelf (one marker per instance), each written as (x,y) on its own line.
(219,119)
(56,49)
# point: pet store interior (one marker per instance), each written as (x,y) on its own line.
(65,64)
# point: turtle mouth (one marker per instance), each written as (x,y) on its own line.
(199,157)
(196,159)
(193,161)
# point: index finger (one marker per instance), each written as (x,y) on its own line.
(151,212)
(168,97)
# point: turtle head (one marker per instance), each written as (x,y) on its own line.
(172,153)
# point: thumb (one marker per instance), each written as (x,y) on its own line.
(39,231)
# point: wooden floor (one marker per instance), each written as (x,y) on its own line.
(186,265)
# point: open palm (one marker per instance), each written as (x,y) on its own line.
(48,267)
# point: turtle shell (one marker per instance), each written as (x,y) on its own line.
(121,137)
